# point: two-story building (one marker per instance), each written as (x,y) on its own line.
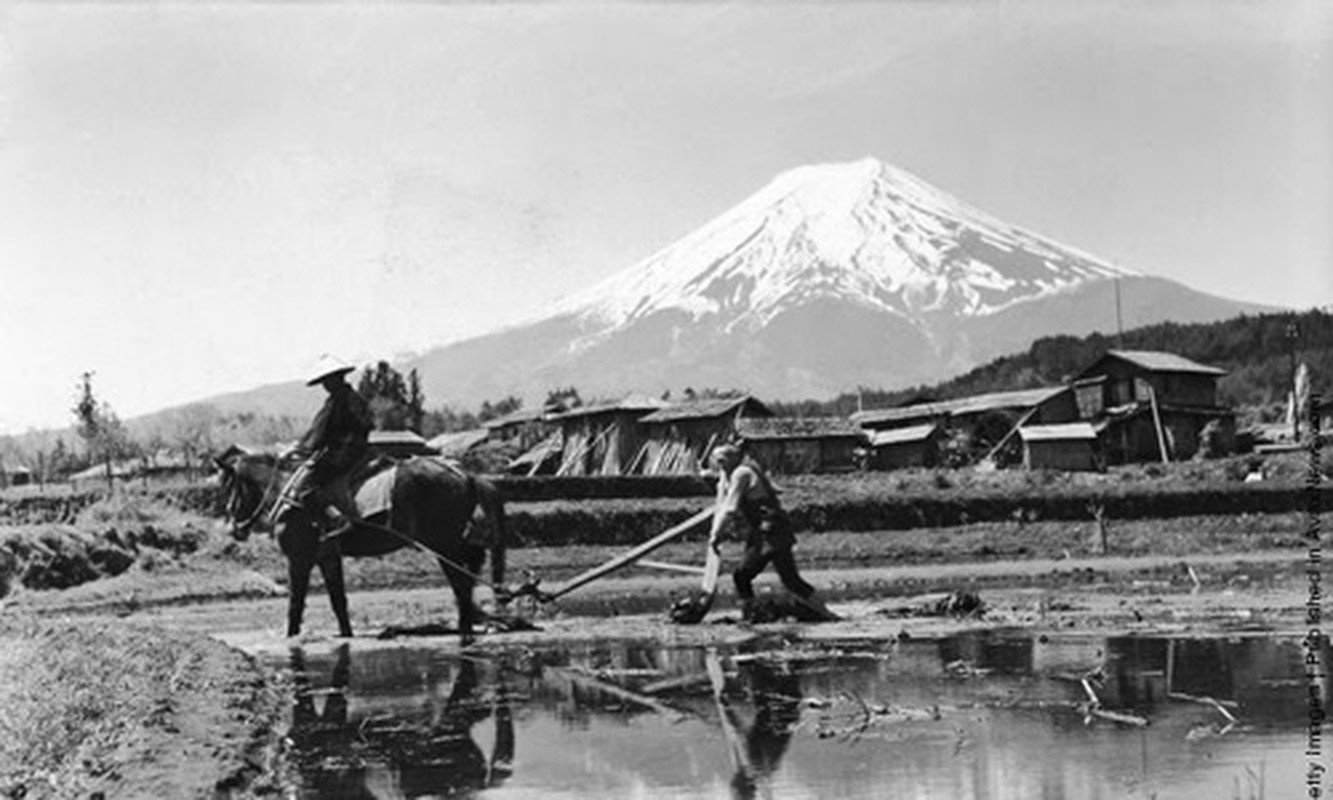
(1149,405)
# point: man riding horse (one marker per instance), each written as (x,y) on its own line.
(334,447)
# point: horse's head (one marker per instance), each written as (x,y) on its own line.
(246,479)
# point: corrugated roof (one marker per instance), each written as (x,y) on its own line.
(1064,430)
(916,433)
(1026,398)
(705,409)
(796,428)
(1155,361)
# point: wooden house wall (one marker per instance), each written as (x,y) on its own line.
(803,455)
(1130,440)
(1090,399)
(680,447)
(1127,383)
(903,455)
(599,444)
(1060,407)
(1062,454)
(1134,439)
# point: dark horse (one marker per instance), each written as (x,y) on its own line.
(434,508)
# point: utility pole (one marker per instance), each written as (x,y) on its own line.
(1119,323)
(1293,333)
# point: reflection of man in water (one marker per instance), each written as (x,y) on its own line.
(338,756)
(757,752)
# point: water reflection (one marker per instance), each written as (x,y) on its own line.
(756,745)
(991,715)
(423,749)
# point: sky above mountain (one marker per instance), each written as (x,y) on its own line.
(194,200)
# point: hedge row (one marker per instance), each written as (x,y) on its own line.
(613,523)
(605,520)
(601,487)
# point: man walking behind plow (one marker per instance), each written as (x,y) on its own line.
(746,496)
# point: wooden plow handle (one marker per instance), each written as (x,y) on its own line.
(627,558)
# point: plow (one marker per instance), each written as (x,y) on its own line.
(690,610)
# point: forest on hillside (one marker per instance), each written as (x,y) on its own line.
(1257,351)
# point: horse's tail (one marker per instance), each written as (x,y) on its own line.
(492,507)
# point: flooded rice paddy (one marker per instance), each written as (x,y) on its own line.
(986,715)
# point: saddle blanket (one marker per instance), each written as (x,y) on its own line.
(375,494)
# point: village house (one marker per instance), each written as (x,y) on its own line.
(524,428)
(1149,405)
(790,445)
(1070,446)
(678,438)
(904,448)
(980,421)
(15,475)
(603,438)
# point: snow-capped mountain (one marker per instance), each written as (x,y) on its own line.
(865,233)
(830,278)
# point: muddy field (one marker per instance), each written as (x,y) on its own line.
(1263,591)
(215,610)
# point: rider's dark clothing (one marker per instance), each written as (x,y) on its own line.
(337,440)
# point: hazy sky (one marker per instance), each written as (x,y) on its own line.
(198,200)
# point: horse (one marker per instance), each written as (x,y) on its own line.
(433,506)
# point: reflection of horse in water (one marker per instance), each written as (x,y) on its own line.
(757,749)
(340,756)
(431,505)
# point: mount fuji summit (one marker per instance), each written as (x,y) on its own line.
(829,278)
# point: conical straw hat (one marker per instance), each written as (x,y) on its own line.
(326,366)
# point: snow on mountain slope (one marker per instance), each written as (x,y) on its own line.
(864,232)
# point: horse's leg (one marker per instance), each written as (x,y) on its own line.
(461,580)
(299,541)
(331,567)
(298,580)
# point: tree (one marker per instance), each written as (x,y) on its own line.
(396,403)
(563,399)
(102,432)
(499,408)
